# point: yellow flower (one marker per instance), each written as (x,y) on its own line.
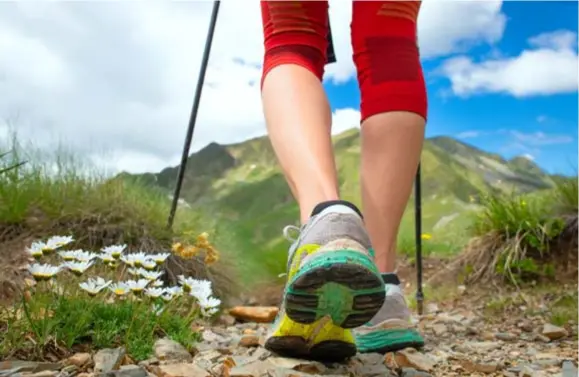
(188,252)
(426,236)
(177,247)
(203,240)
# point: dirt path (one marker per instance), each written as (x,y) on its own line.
(461,340)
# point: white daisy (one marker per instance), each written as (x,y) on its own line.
(106,257)
(154,292)
(135,271)
(36,249)
(139,259)
(159,258)
(70,255)
(85,256)
(135,260)
(208,302)
(77,268)
(149,265)
(156,283)
(42,272)
(151,275)
(137,286)
(171,293)
(209,311)
(94,286)
(58,241)
(114,250)
(120,289)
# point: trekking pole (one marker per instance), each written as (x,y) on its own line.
(194,111)
(418,235)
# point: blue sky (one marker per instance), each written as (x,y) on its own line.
(540,123)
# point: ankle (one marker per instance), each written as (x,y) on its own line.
(342,206)
(390,278)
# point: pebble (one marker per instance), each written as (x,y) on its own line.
(458,343)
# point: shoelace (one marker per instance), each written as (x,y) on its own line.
(287,230)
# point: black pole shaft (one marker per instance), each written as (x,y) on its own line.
(194,111)
(418,235)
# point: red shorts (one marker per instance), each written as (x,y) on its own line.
(383,40)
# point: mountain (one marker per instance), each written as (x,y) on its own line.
(244,186)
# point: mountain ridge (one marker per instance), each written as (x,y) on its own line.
(242,185)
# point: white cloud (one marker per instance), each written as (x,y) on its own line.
(119,77)
(528,156)
(548,67)
(468,134)
(540,138)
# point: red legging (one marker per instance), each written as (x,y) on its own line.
(383,40)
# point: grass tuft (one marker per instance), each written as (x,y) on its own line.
(517,237)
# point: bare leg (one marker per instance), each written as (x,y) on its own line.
(296,109)
(298,120)
(393,110)
(391,145)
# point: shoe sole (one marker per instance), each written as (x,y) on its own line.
(344,285)
(391,340)
(321,340)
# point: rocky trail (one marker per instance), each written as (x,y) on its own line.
(459,342)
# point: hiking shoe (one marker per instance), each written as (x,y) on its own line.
(332,286)
(390,330)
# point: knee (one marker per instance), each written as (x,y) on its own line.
(308,56)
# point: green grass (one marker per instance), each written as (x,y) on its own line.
(515,234)
(57,312)
(60,187)
(60,193)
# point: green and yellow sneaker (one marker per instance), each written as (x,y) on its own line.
(332,286)
(390,330)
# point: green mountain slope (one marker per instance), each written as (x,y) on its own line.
(242,185)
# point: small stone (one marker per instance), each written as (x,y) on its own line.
(569,369)
(311,367)
(181,370)
(15,366)
(80,359)
(526,326)
(486,335)
(255,368)
(439,329)
(410,357)
(167,349)
(475,366)
(260,314)
(249,341)
(108,359)
(411,372)
(542,338)
(470,330)
(505,336)
(227,320)
(127,371)
(554,332)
